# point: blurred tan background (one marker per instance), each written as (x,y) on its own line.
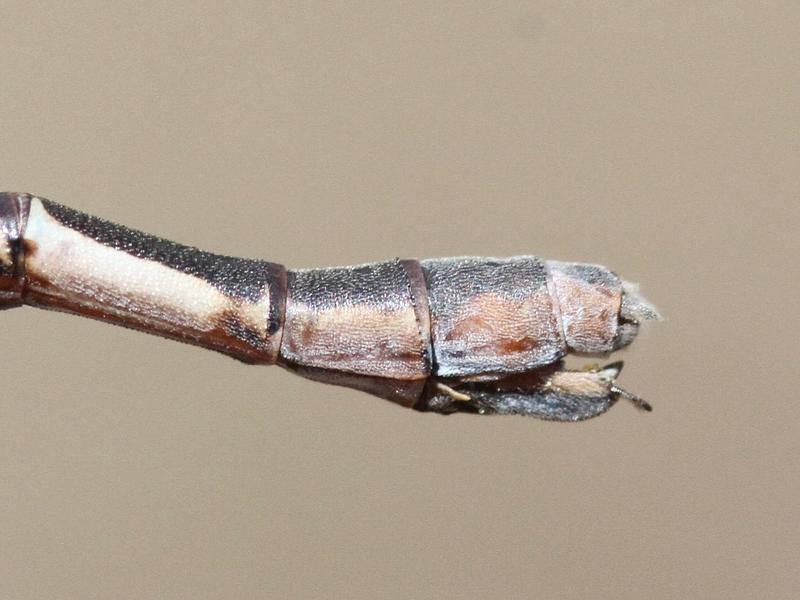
(663,141)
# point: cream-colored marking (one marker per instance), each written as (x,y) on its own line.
(454,394)
(84,273)
(356,339)
(6,258)
(255,316)
(595,382)
(609,374)
(580,383)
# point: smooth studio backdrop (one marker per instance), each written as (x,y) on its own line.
(660,139)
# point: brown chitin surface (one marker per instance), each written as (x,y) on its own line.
(365,327)
(84,265)
(589,299)
(491,316)
(13,217)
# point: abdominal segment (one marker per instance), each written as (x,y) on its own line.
(69,261)
(467,334)
(492,315)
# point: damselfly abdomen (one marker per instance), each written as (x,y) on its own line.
(481,335)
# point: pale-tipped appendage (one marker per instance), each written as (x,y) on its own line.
(553,394)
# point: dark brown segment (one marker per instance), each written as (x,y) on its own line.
(278,292)
(364,320)
(13,216)
(491,316)
(418,290)
(405,392)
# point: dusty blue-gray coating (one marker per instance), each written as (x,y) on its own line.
(382,284)
(596,275)
(548,405)
(455,289)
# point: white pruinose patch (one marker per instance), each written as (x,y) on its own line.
(67,265)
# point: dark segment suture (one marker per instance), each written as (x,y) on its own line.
(13,218)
